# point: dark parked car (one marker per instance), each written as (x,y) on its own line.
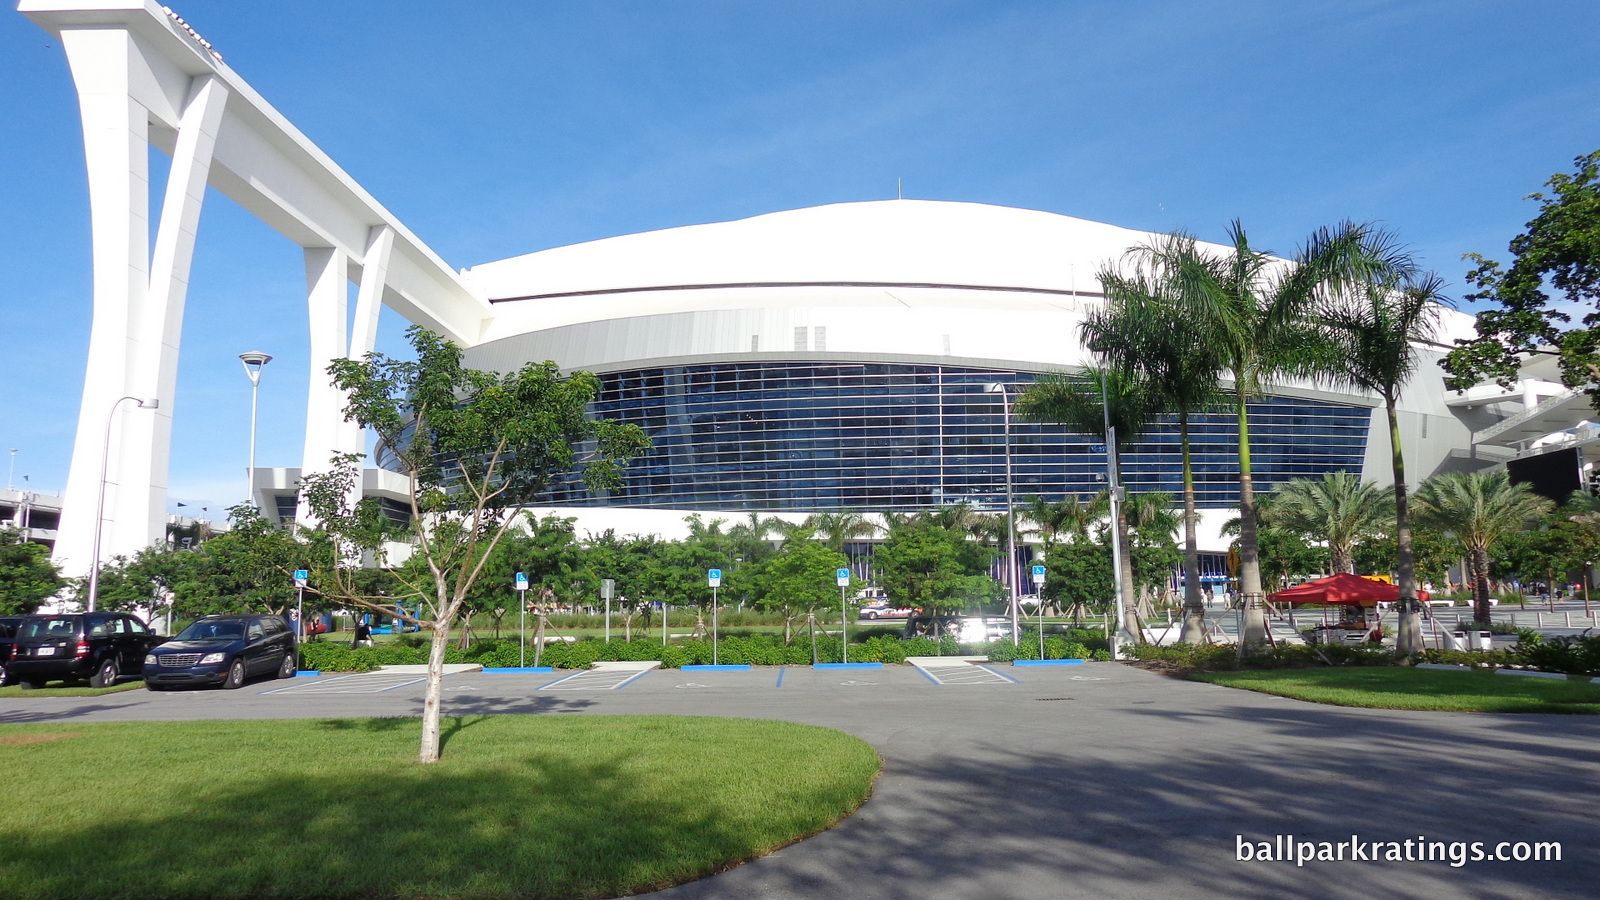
(223,650)
(8,634)
(99,646)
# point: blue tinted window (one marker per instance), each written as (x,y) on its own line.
(870,437)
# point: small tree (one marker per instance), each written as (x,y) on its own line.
(473,446)
(925,564)
(797,580)
(27,576)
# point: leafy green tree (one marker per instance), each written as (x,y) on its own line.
(1432,551)
(474,446)
(1285,556)
(249,568)
(1560,249)
(1140,329)
(1078,576)
(797,581)
(923,563)
(27,575)
(1479,510)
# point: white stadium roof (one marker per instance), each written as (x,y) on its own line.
(905,242)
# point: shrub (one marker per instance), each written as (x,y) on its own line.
(1574,655)
(1480,658)
(1055,647)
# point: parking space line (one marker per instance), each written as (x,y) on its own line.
(596,680)
(319,681)
(357,683)
(963,673)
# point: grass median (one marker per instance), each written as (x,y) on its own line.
(1393,687)
(520,806)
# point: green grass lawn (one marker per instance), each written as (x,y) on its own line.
(71,689)
(520,806)
(1392,687)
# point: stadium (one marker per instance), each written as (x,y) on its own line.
(849,357)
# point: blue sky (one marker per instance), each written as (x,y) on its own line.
(495,129)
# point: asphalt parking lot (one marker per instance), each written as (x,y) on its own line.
(1086,781)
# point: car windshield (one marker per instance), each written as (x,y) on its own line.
(212,631)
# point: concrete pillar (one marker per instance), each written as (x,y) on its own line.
(138,300)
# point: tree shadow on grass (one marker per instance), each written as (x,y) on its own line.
(531,824)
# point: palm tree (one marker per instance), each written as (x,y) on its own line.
(1337,508)
(1478,509)
(1377,317)
(1251,311)
(837,528)
(1054,519)
(1084,404)
(1139,330)
(1150,516)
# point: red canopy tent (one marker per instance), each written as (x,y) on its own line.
(1351,590)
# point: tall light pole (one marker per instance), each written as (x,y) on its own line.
(1004,391)
(253,361)
(100,505)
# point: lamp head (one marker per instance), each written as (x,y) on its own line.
(253,361)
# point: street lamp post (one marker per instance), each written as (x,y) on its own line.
(100,504)
(1011,523)
(253,361)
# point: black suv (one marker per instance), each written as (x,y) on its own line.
(99,646)
(223,650)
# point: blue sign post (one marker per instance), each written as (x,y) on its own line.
(843,577)
(714,576)
(521,586)
(1038,584)
(301,576)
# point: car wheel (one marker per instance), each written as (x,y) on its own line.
(288,668)
(235,675)
(869,615)
(106,676)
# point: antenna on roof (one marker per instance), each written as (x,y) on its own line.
(897,194)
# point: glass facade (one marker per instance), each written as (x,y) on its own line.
(872,437)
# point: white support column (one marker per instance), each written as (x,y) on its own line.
(138,301)
(327,286)
(162,329)
(115,138)
(364,327)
